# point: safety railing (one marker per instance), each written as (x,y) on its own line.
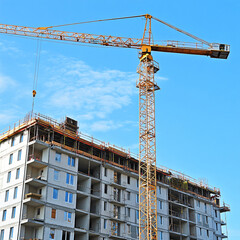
(196,45)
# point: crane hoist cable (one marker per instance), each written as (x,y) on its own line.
(36,71)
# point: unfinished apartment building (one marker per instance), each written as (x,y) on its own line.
(56,183)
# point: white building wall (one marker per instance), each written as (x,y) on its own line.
(14,182)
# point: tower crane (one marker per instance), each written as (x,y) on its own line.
(147,87)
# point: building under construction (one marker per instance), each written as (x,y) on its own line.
(56,183)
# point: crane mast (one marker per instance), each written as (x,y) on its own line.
(147,138)
(147,148)
(147,87)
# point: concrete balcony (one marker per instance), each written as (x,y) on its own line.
(175,200)
(80,234)
(33,213)
(176,214)
(93,232)
(33,199)
(36,162)
(192,219)
(118,183)
(94,211)
(30,232)
(192,216)
(39,181)
(127,218)
(115,232)
(221,235)
(89,168)
(84,183)
(83,203)
(116,199)
(178,227)
(81,193)
(206,225)
(79,231)
(193,233)
(117,216)
(32,222)
(175,228)
(94,227)
(96,197)
(223,223)
(95,189)
(81,222)
(95,175)
(224,208)
(224,236)
(117,235)
(33,195)
(80,212)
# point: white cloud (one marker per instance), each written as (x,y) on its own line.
(134,148)
(8,47)
(7,117)
(159,78)
(6,82)
(74,86)
(102,126)
(105,125)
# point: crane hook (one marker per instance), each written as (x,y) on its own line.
(34,93)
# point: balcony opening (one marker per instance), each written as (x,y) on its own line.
(94,224)
(83,203)
(117,177)
(83,184)
(95,206)
(95,188)
(81,221)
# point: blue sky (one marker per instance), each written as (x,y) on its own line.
(197,109)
